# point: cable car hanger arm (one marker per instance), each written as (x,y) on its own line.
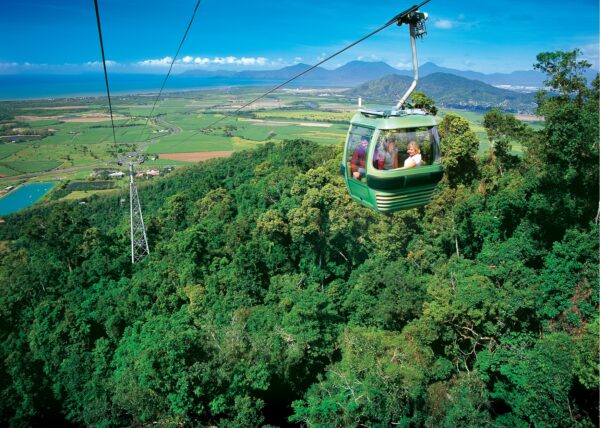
(416,21)
(401,17)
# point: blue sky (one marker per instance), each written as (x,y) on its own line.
(60,36)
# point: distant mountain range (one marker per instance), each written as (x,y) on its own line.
(351,74)
(518,79)
(447,90)
(357,72)
(379,82)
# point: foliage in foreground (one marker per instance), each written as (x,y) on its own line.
(270,298)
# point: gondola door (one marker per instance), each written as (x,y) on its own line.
(356,160)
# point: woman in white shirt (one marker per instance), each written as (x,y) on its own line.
(414,155)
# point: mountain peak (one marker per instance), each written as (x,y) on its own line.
(299,66)
(359,61)
(367,65)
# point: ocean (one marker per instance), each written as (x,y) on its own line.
(38,86)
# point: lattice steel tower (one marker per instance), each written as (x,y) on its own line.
(139,241)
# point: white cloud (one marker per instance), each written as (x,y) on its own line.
(8,67)
(152,65)
(591,53)
(253,61)
(444,24)
(96,64)
(407,65)
(66,68)
(371,57)
(227,60)
(461,21)
(154,62)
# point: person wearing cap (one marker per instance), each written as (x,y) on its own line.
(357,163)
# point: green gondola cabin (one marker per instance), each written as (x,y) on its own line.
(375,153)
(392,158)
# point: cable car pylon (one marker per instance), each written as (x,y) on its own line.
(139,241)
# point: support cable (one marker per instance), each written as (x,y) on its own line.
(171,66)
(139,241)
(105,73)
(396,19)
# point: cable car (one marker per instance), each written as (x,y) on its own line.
(392,158)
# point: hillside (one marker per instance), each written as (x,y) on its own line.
(269,297)
(447,91)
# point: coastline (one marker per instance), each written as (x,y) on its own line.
(50,87)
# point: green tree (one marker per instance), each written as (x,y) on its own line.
(586,356)
(536,384)
(564,154)
(379,381)
(502,130)
(384,294)
(463,401)
(157,371)
(422,101)
(565,72)
(459,146)
(568,280)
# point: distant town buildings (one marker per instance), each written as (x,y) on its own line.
(148,173)
(112,173)
(6,190)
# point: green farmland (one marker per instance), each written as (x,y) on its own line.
(67,142)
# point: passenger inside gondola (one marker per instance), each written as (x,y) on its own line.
(357,163)
(386,154)
(414,155)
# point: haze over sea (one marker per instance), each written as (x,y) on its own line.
(34,86)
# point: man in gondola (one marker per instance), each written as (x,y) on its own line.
(357,163)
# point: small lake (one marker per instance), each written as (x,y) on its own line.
(23,197)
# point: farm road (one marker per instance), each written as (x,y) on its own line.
(54,171)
